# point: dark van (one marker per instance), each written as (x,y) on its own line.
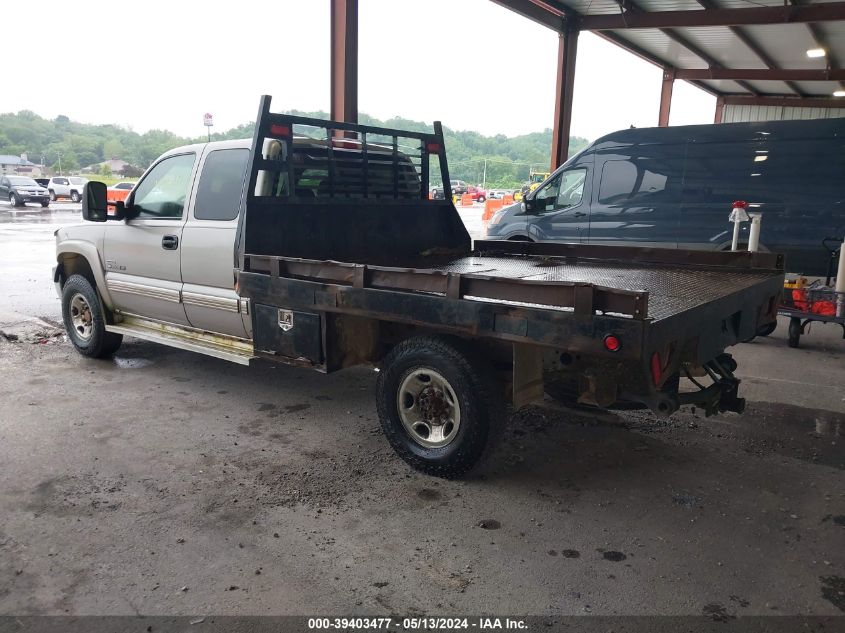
(673,187)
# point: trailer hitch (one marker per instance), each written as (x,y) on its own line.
(723,394)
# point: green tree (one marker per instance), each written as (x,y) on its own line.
(113,148)
(105,170)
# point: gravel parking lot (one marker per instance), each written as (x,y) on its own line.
(164,482)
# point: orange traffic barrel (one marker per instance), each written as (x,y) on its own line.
(507,199)
(490,207)
(466,200)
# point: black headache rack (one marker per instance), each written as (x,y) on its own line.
(329,190)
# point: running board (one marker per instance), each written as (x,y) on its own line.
(233,349)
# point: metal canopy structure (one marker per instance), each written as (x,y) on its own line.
(742,52)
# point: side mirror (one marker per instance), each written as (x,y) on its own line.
(94,203)
(529,204)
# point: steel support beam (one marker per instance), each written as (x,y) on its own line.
(545,13)
(567,53)
(666,97)
(762,74)
(344,60)
(824,12)
(811,102)
(720,110)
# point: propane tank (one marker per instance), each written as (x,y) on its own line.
(754,233)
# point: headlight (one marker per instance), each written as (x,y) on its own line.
(497,217)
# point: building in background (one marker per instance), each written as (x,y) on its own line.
(19,165)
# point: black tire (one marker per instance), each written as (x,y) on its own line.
(45,204)
(14,200)
(52,196)
(766,330)
(98,343)
(482,199)
(474,387)
(74,196)
(794,331)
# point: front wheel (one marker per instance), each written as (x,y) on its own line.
(74,196)
(84,319)
(438,405)
(52,196)
(14,200)
(45,204)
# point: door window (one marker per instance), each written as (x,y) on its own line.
(219,191)
(624,180)
(562,191)
(163,192)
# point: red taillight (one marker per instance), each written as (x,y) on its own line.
(656,369)
(612,343)
(280,130)
(433,148)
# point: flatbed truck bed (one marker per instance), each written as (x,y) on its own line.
(353,272)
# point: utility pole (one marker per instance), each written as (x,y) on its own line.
(208,121)
(484,179)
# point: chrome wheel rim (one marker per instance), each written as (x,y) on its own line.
(428,408)
(80,317)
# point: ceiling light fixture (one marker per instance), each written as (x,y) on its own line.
(816,52)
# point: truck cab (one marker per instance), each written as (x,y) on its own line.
(171,262)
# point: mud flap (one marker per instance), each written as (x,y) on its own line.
(528,384)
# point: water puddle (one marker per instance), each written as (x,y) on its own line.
(131,363)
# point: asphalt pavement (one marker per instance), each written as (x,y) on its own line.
(165,482)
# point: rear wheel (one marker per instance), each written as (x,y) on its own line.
(84,319)
(794,331)
(74,196)
(482,199)
(439,405)
(767,329)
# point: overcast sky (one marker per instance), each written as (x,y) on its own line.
(470,63)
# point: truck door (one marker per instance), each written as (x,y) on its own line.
(142,255)
(562,207)
(208,245)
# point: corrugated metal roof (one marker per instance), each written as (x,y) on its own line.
(722,45)
(724,86)
(662,47)
(747,46)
